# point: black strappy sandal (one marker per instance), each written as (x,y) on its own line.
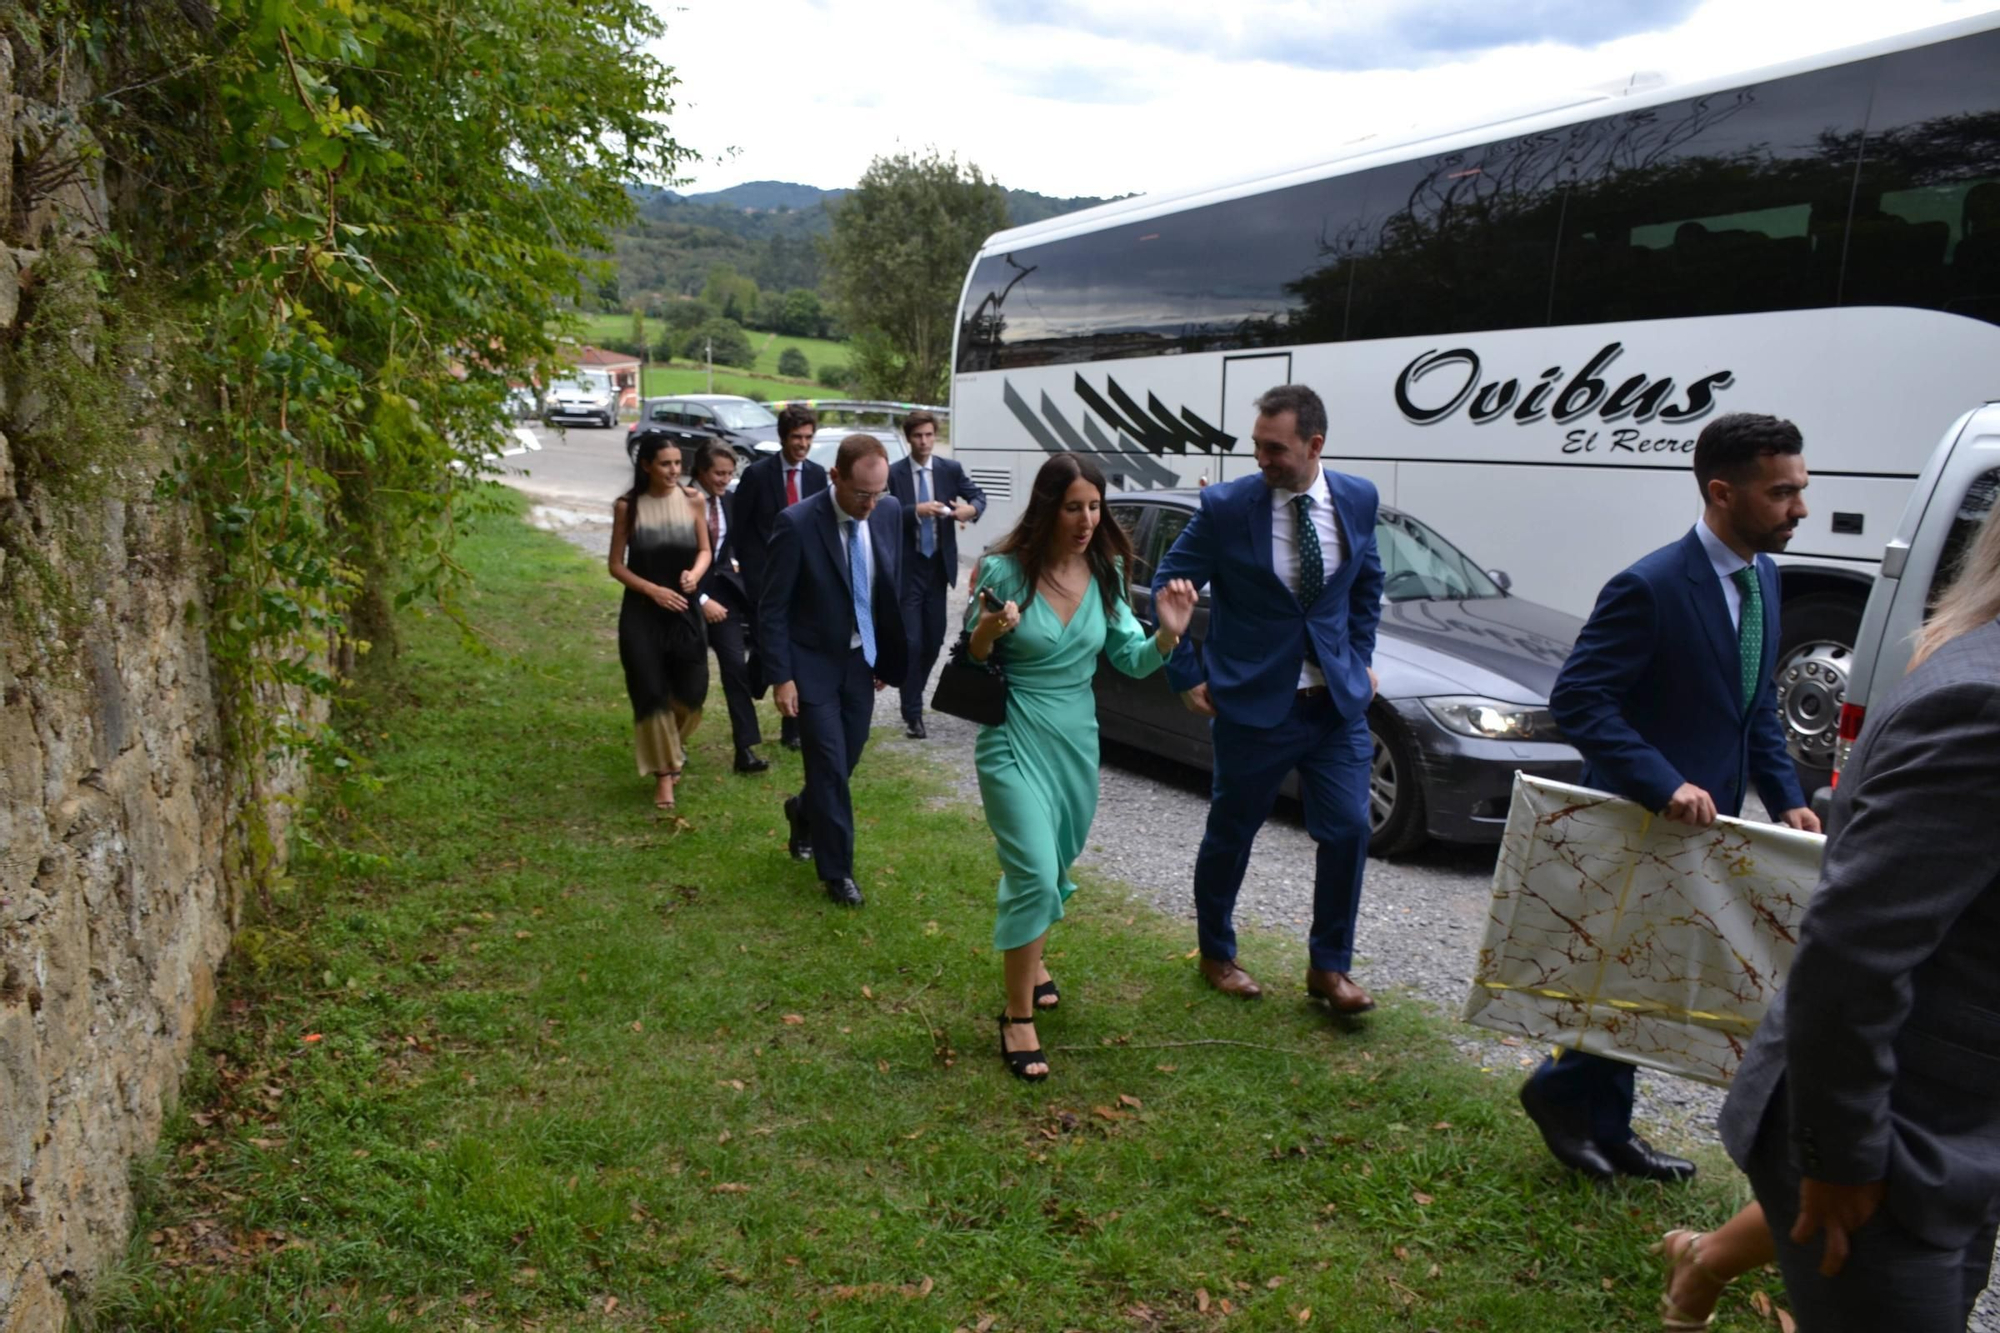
(1047,990)
(1018,1061)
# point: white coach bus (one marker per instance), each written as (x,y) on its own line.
(1520,327)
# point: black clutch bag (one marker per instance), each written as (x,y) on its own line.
(975,691)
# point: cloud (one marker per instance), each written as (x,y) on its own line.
(1359,36)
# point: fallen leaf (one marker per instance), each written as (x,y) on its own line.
(1305,1315)
(730,1187)
(1402,1252)
(1436,1271)
(1225,1306)
(314,1036)
(637,1026)
(1201,1300)
(610,1304)
(524,934)
(1166,1069)
(1607,1284)
(1193,953)
(724,1137)
(930,927)
(1106,1113)
(1129,1100)
(1442,1124)
(1275,1283)
(882,1066)
(793,1020)
(867,994)
(985,1324)
(735,1083)
(1423,1200)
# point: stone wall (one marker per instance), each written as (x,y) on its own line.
(115,820)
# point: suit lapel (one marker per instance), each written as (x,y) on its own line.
(1767,579)
(1261,510)
(1711,608)
(829,529)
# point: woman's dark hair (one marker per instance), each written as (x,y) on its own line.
(1028,543)
(648,450)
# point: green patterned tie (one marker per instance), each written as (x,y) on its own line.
(1750,631)
(1312,567)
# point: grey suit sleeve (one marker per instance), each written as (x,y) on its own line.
(1915,851)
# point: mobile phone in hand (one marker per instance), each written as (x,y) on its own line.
(989,601)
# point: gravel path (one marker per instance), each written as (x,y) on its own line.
(1422,917)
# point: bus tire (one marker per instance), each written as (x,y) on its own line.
(1395,789)
(1815,653)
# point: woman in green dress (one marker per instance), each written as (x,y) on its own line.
(1057,585)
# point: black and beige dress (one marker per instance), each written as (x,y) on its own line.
(665,653)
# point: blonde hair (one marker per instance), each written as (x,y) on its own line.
(1972,601)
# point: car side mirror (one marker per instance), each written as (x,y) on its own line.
(1499,576)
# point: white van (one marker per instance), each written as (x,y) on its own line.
(1954,495)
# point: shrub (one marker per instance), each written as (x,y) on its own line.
(793,362)
(832,376)
(723,339)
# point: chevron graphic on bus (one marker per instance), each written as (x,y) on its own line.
(1122,454)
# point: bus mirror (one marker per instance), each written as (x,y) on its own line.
(1499,576)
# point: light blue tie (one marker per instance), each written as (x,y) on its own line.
(857,574)
(926,527)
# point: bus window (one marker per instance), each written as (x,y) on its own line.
(1716,205)
(1926,228)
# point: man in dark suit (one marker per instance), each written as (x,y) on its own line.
(1295,594)
(1866,1111)
(769,486)
(1668,694)
(936,496)
(726,603)
(832,634)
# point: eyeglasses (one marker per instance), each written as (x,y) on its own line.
(870,496)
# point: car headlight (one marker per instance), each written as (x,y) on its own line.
(1490,719)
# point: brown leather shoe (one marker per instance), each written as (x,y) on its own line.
(1340,993)
(1230,979)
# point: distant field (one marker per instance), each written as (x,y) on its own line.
(769,346)
(664,380)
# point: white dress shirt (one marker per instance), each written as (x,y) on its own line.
(713,508)
(844,521)
(1725,562)
(1285,546)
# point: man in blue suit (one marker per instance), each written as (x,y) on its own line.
(768,487)
(1295,593)
(1668,694)
(831,629)
(936,496)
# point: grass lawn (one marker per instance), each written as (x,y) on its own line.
(523,1054)
(819,351)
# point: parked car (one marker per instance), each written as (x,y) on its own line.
(1465,669)
(1955,495)
(694,419)
(582,395)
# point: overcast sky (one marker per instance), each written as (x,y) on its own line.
(1103,97)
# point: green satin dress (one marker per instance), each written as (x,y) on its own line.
(1038,771)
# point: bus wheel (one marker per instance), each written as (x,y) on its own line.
(1395,790)
(1814,654)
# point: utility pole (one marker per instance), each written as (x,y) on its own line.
(708,345)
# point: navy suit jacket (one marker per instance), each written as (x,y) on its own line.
(805,609)
(1257,630)
(724,582)
(1652,693)
(760,498)
(949,483)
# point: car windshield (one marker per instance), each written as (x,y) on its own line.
(743,416)
(1420,566)
(826,444)
(585,383)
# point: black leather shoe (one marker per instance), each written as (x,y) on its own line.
(799,842)
(749,761)
(792,743)
(844,892)
(1636,1157)
(1566,1140)
(914,729)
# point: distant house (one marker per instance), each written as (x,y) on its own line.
(623,369)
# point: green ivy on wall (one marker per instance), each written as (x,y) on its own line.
(358,219)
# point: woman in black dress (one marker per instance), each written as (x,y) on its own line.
(659,551)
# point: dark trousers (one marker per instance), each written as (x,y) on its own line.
(1893,1279)
(1332,755)
(924,582)
(1595,1091)
(833,728)
(728,637)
